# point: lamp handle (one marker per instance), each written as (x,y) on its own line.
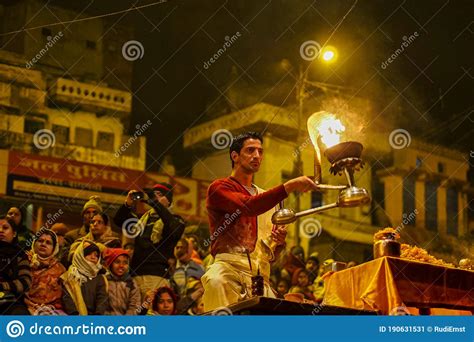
(330,187)
(316,210)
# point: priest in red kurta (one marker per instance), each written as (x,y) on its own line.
(240,223)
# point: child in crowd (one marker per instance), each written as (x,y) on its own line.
(164,302)
(282,288)
(124,294)
(85,290)
(301,284)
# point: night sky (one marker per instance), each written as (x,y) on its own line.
(427,89)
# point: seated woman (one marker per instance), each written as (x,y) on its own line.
(164,302)
(15,274)
(45,294)
(301,284)
(124,293)
(23,234)
(85,290)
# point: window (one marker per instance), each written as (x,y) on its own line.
(378,192)
(452,211)
(419,162)
(409,196)
(61,134)
(32,126)
(440,168)
(90,44)
(84,137)
(105,141)
(431,205)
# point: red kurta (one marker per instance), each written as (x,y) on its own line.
(233,214)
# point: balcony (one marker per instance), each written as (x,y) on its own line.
(90,96)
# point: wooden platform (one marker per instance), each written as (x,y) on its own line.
(274,306)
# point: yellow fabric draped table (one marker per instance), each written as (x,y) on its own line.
(389,285)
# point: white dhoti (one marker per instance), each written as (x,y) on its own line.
(228,280)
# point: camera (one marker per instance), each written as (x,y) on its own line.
(137,196)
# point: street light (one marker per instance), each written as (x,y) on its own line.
(328,54)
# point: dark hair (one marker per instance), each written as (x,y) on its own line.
(10,221)
(91,249)
(238,142)
(21,227)
(159,292)
(14,227)
(313,258)
(104,216)
(22,213)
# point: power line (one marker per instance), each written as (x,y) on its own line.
(133,8)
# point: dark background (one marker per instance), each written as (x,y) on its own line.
(427,89)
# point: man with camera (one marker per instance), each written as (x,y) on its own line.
(150,231)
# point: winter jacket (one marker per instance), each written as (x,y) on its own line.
(150,257)
(124,296)
(94,293)
(15,273)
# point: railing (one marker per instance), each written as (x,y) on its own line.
(78,93)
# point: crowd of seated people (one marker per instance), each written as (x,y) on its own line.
(151,268)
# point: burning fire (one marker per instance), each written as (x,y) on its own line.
(330,130)
(323,127)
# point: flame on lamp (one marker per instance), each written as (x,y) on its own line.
(323,128)
(330,130)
